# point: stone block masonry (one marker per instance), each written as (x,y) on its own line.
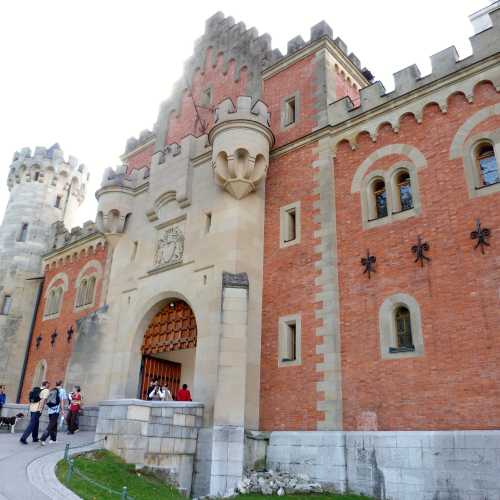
(396,465)
(159,435)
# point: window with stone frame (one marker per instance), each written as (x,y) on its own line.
(290,111)
(54,300)
(289,341)
(486,164)
(86,292)
(290,230)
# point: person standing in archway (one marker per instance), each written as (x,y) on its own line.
(184,394)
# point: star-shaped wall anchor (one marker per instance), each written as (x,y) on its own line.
(419,250)
(53,337)
(368,263)
(481,234)
(70,333)
(38,341)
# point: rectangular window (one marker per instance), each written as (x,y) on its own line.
(23,235)
(208,222)
(290,224)
(6,305)
(289,341)
(37,176)
(290,111)
(58,202)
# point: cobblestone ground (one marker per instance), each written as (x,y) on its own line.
(16,483)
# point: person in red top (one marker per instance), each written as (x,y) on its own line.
(184,394)
(74,409)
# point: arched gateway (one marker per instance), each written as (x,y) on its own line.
(168,347)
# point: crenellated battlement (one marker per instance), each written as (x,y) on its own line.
(136,142)
(64,237)
(444,63)
(243,110)
(48,165)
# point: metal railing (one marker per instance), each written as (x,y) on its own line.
(73,471)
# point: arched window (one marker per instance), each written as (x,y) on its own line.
(380,198)
(89,298)
(54,300)
(82,293)
(404,337)
(403,184)
(487,164)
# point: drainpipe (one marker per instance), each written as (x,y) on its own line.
(32,331)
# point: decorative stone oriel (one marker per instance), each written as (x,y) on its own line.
(170,247)
(241,139)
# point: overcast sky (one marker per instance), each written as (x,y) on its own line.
(89,74)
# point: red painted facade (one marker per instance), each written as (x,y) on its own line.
(56,355)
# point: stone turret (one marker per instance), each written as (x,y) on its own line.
(241,140)
(115,199)
(45,189)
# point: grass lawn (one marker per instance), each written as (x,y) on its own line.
(111,471)
(311,496)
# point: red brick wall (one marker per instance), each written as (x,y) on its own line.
(455,384)
(344,88)
(140,159)
(182,124)
(288,394)
(57,356)
(299,77)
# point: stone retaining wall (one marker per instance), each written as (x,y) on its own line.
(88,418)
(161,435)
(423,465)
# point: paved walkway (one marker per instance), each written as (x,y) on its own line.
(24,468)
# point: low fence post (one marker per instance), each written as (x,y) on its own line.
(124,493)
(66,452)
(69,474)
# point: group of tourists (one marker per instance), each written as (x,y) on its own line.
(159,392)
(62,409)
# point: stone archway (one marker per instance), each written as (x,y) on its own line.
(168,347)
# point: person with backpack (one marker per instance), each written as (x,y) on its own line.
(37,397)
(55,402)
(74,409)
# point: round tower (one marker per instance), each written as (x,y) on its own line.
(44,189)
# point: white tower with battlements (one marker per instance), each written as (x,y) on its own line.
(44,189)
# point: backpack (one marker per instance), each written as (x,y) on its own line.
(54,399)
(34,395)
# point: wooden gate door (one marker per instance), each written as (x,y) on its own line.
(167,372)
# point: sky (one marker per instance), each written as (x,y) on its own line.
(90,74)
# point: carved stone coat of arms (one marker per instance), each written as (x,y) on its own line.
(170,247)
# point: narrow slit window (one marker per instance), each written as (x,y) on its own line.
(23,235)
(291,225)
(208,222)
(37,176)
(290,342)
(6,305)
(206,97)
(58,201)
(134,251)
(290,111)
